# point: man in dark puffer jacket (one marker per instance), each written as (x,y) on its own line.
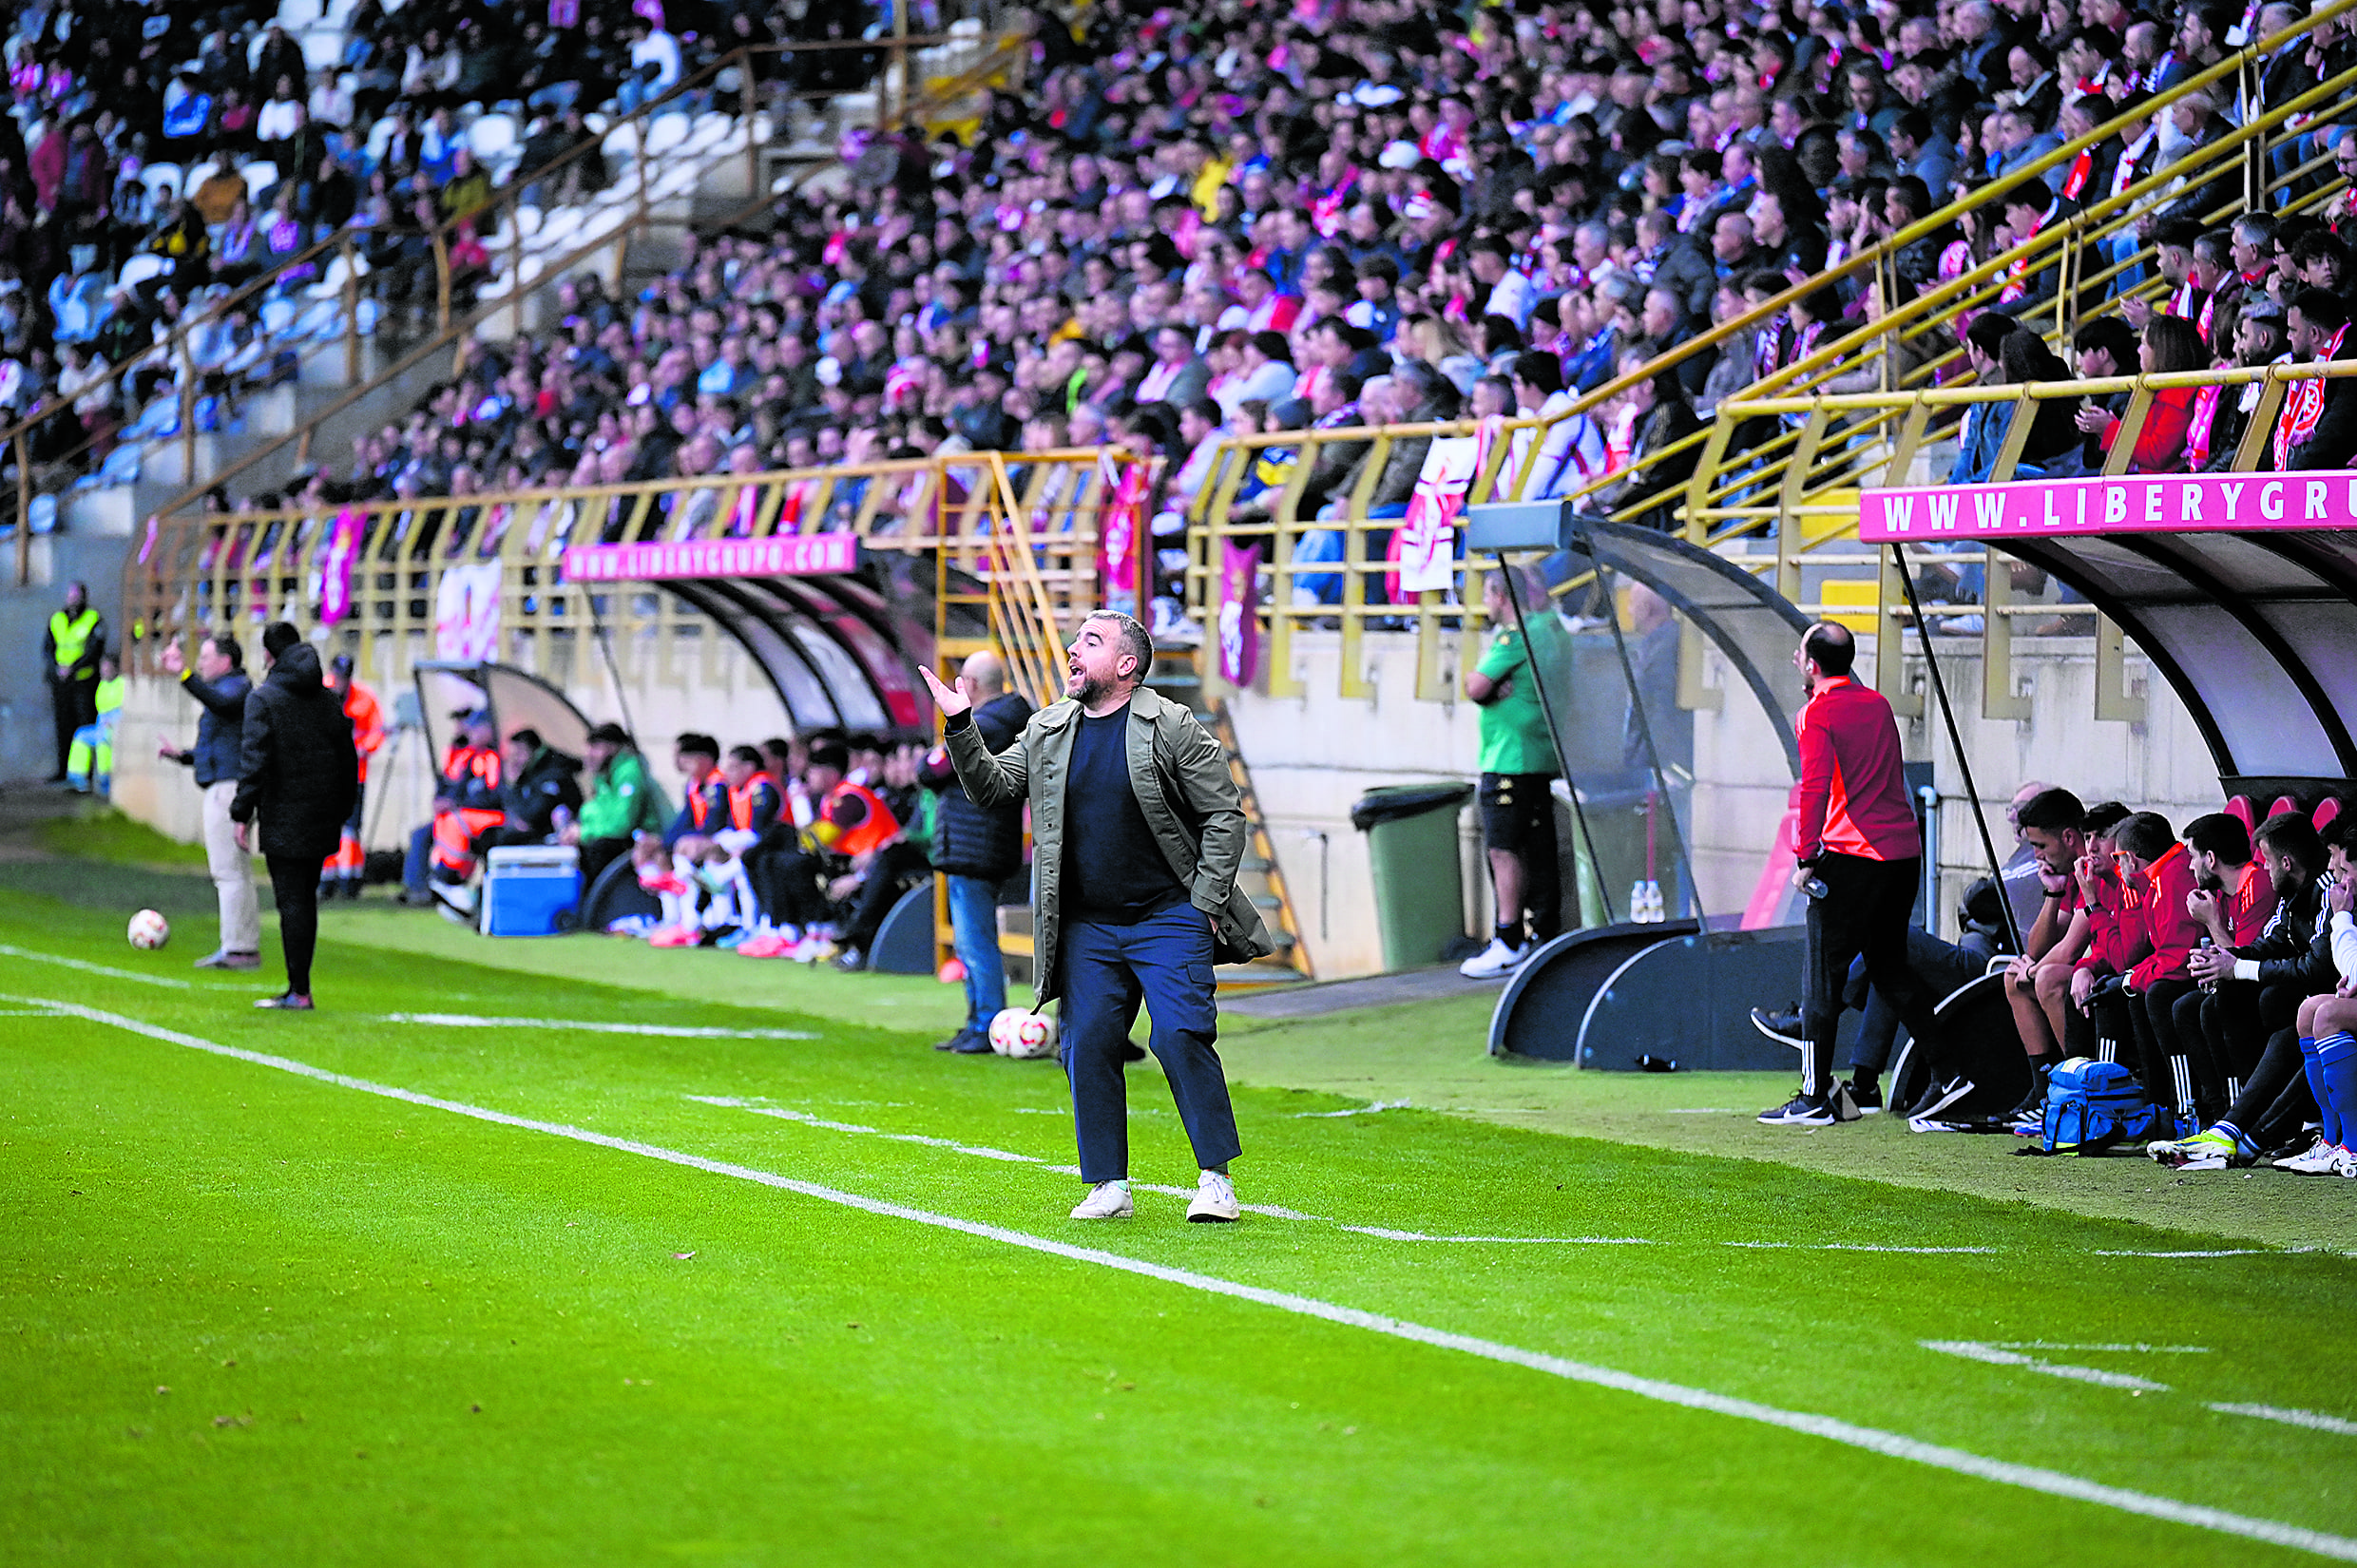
(978,848)
(301,774)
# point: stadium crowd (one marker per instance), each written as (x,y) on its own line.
(1327,216)
(157,158)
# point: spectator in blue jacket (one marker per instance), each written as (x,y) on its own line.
(220,686)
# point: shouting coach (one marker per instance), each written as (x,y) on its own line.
(1860,852)
(1137,834)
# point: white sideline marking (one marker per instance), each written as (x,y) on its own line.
(1973,1349)
(96,968)
(2223,1252)
(2314,1421)
(1542,1241)
(2137,1350)
(1845,1246)
(1382,1233)
(981,1151)
(1872,1439)
(666,1032)
(1378,1106)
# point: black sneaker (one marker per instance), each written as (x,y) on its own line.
(851,961)
(961,1038)
(1802,1110)
(1869,1099)
(1779,1025)
(972,1046)
(1940,1097)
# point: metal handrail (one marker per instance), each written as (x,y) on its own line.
(1942,218)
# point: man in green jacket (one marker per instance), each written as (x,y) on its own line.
(622,803)
(1139,832)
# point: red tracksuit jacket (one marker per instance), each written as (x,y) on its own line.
(1852,784)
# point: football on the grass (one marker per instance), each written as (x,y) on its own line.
(1021,1033)
(149,929)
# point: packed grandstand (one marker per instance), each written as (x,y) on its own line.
(1183,228)
(1179,232)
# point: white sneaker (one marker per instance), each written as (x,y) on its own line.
(2318,1161)
(2344,1163)
(1214,1200)
(1105,1200)
(1495,960)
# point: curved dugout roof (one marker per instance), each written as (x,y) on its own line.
(2255,632)
(1752,625)
(838,651)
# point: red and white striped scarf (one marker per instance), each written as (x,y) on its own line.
(2303,405)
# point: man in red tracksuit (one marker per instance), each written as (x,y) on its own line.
(1860,852)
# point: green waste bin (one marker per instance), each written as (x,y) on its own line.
(1411,840)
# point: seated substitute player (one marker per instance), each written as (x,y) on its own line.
(2231,902)
(2256,1023)
(2038,981)
(849,821)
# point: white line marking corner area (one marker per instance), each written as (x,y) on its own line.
(1872,1440)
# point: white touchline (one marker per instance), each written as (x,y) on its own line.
(1375,1109)
(6,950)
(2315,1421)
(666,1032)
(2122,1350)
(1872,1439)
(1973,1349)
(981,1151)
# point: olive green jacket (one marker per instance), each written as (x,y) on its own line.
(1180,774)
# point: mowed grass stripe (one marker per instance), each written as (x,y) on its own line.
(1891,1444)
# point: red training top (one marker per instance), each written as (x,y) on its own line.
(2249,906)
(1852,784)
(2173,932)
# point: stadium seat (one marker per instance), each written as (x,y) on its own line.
(141,267)
(665,132)
(493,139)
(162,180)
(2240,807)
(2327,811)
(259,175)
(2283,803)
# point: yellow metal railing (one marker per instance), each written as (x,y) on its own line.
(1014,543)
(1820,534)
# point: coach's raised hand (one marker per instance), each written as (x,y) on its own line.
(951,703)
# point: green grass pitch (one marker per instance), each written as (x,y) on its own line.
(255,1315)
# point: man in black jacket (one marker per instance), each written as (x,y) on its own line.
(541,783)
(978,848)
(220,686)
(298,772)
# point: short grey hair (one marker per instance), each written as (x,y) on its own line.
(1136,641)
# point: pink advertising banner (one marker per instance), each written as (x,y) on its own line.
(786,555)
(2166,503)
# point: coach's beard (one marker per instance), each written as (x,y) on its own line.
(1083,687)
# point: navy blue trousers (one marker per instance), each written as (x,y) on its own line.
(1165,961)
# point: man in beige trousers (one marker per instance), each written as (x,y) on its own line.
(219,685)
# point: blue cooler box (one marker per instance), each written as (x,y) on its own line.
(531,889)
